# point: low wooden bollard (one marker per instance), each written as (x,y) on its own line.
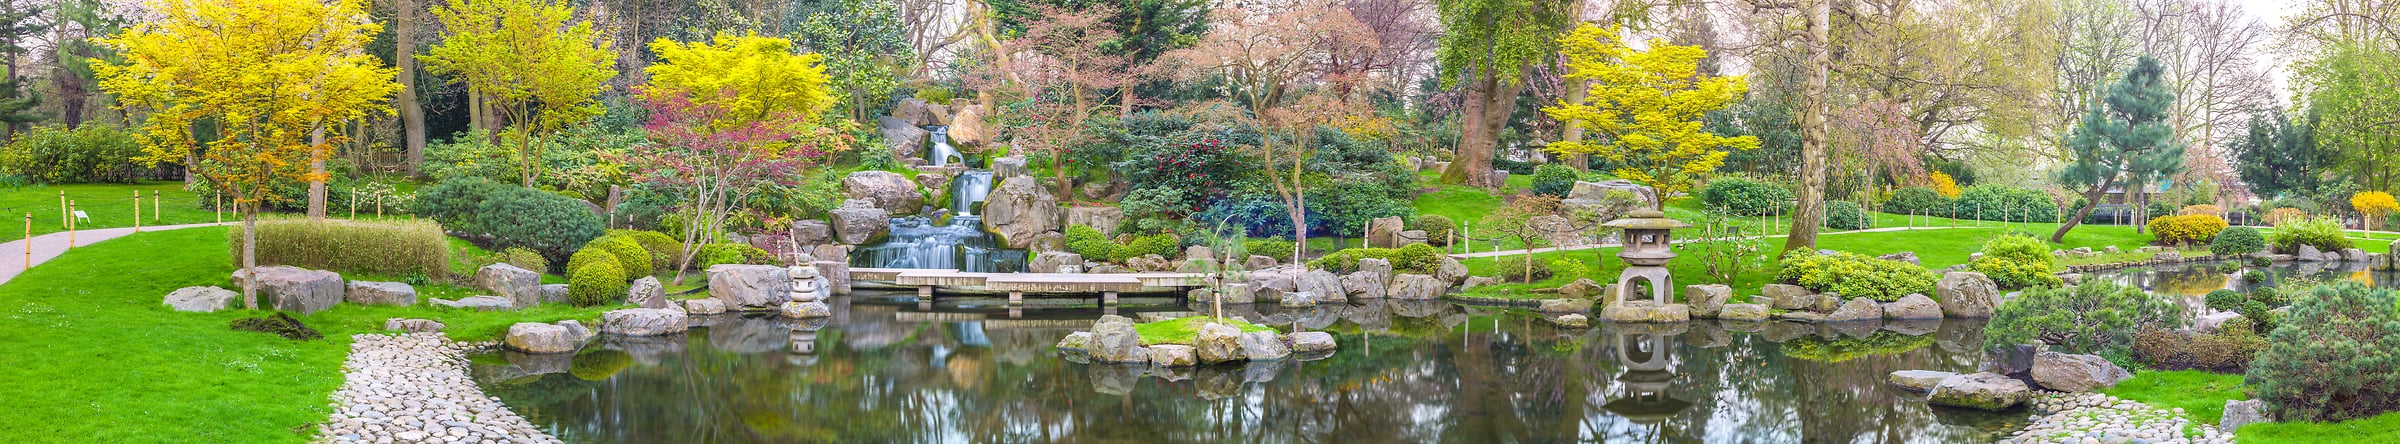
(28,240)
(1108,299)
(1016,298)
(925,292)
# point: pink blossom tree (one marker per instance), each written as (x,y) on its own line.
(713,162)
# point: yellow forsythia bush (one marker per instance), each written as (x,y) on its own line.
(2207,209)
(2185,229)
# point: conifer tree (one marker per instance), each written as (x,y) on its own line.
(2124,140)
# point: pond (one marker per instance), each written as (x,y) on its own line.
(2195,279)
(885,369)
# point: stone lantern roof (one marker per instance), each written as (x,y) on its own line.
(1647,220)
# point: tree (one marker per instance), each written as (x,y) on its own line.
(1816,41)
(2123,141)
(71,76)
(274,72)
(1486,47)
(2277,157)
(1646,106)
(1062,69)
(18,19)
(523,60)
(1145,31)
(2372,206)
(864,48)
(730,117)
(404,60)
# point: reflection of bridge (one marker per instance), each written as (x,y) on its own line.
(1017,285)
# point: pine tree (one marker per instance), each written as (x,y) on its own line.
(2123,141)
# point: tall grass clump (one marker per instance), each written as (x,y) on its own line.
(348,246)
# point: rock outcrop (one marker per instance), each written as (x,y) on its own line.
(295,289)
(643,322)
(1967,294)
(750,287)
(858,221)
(519,286)
(201,299)
(887,190)
(1019,209)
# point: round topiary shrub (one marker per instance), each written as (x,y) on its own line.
(1744,197)
(664,250)
(2225,300)
(586,257)
(2271,296)
(2016,261)
(1555,180)
(2237,241)
(1417,257)
(1843,215)
(1521,270)
(525,258)
(597,282)
(631,257)
(2331,358)
(1437,228)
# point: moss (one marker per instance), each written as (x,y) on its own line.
(280,324)
(1183,330)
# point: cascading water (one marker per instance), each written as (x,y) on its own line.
(961,244)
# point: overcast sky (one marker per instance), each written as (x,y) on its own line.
(2272,14)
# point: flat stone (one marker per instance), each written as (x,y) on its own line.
(201,299)
(704,306)
(412,325)
(1912,307)
(535,337)
(1645,311)
(1918,380)
(1566,305)
(1743,312)
(1173,355)
(643,322)
(1985,391)
(380,293)
(2076,373)
(1263,346)
(806,310)
(1312,342)
(478,303)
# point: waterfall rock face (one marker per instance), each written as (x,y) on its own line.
(887,190)
(1104,219)
(907,140)
(1019,209)
(858,221)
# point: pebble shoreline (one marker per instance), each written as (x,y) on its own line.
(2093,418)
(415,388)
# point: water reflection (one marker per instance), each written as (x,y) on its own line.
(883,370)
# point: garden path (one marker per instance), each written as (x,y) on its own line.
(13,254)
(1520,251)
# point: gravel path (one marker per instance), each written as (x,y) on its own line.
(415,389)
(2093,418)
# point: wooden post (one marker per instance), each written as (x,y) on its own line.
(62,208)
(153,203)
(353,203)
(137,211)
(28,240)
(220,208)
(70,223)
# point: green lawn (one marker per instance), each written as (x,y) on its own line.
(2201,394)
(2381,428)
(109,205)
(1183,330)
(95,357)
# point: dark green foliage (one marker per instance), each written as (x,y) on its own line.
(595,283)
(2016,261)
(1516,269)
(1555,180)
(2325,233)
(2262,315)
(2236,241)
(2098,317)
(2270,296)
(2225,300)
(1917,200)
(1342,208)
(2004,203)
(501,216)
(2124,140)
(1257,216)
(2333,358)
(2262,262)
(1086,241)
(2274,148)
(1844,215)
(91,153)
(1437,228)
(1269,247)
(1745,197)
(1853,275)
(2228,350)
(281,324)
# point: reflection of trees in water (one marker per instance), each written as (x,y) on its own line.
(1441,375)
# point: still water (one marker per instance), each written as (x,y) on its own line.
(884,369)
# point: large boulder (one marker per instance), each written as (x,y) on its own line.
(1264,346)
(1787,296)
(837,275)
(1104,219)
(1384,232)
(1011,166)
(1857,309)
(1416,287)
(1365,285)
(906,140)
(1018,209)
(1260,262)
(2311,254)
(1235,294)
(1312,342)
(202,299)
(554,293)
(647,292)
(1596,193)
(1451,272)
(1912,307)
(643,322)
(2242,413)
(1382,269)
(2076,373)
(887,190)
(1986,391)
(750,287)
(295,289)
(1055,262)
(1173,355)
(380,293)
(1645,311)
(1919,380)
(1707,300)
(967,127)
(1115,341)
(811,232)
(858,222)
(1582,289)
(1325,284)
(913,111)
(535,337)
(1743,312)
(520,286)
(1967,294)
(1218,343)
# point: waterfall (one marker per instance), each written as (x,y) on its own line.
(961,244)
(942,153)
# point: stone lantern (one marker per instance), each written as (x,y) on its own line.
(1646,252)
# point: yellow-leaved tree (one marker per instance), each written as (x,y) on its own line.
(750,76)
(267,75)
(731,117)
(523,62)
(1645,107)
(2372,206)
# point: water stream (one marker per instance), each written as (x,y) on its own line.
(959,242)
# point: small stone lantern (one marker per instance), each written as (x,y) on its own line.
(1647,250)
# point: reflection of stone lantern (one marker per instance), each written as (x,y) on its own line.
(1649,373)
(1646,252)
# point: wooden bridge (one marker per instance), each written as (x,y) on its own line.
(1017,285)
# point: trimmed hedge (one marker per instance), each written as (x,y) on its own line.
(731,253)
(502,216)
(1917,201)
(1844,215)
(1414,258)
(378,247)
(1437,228)
(1745,197)
(598,282)
(1270,247)
(1087,241)
(2186,229)
(2004,203)
(632,259)
(2237,241)
(1555,180)
(664,250)
(1854,275)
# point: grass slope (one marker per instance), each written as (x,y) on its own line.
(95,357)
(109,205)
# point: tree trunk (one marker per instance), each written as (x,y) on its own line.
(1476,140)
(249,254)
(475,112)
(2091,199)
(1809,213)
(412,113)
(1576,92)
(316,170)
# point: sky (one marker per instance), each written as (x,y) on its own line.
(2272,14)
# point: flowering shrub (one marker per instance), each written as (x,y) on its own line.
(1942,183)
(2207,209)
(2186,229)
(1202,170)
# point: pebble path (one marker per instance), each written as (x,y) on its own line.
(415,389)
(2093,418)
